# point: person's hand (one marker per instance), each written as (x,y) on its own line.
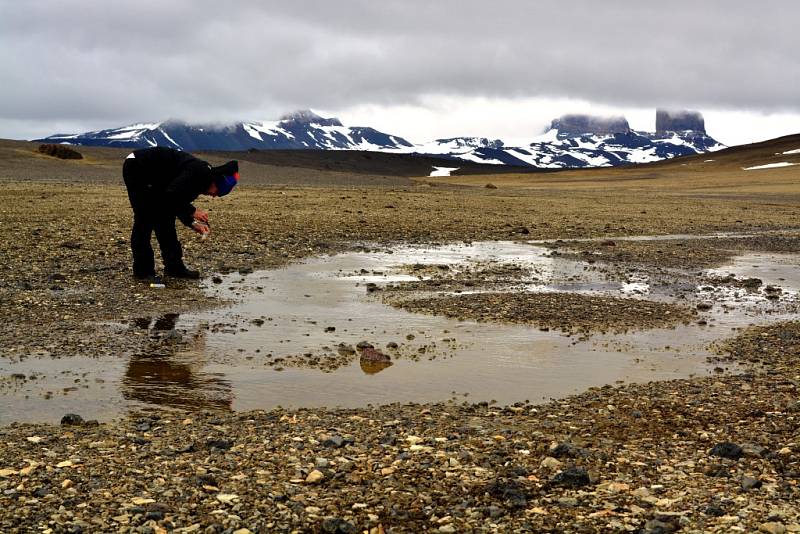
(201,228)
(201,215)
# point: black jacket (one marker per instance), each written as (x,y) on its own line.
(174,177)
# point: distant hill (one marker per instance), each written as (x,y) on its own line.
(572,141)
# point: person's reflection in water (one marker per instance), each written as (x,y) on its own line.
(166,322)
(175,379)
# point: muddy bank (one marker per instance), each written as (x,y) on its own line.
(700,455)
(563,311)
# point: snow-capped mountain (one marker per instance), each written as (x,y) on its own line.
(575,141)
(572,141)
(301,130)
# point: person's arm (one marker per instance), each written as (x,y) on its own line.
(184,189)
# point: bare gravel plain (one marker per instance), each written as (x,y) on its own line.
(716,454)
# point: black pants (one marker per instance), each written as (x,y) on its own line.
(149,215)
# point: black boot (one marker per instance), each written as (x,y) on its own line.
(182,272)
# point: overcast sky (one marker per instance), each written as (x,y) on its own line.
(417,68)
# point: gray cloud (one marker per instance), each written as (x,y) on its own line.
(112,62)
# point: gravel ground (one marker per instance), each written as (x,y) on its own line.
(711,454)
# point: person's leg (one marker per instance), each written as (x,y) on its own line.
(143,261)
(171,251)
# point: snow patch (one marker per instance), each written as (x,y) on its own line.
(769,166)
(171,140)
(443,171)
(795,151)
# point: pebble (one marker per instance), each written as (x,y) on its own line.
(749,483)
(572,477)
(550,463)
(315,477)
(72,419)
(727,449)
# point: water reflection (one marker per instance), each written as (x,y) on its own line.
(166,322)
(174,379)
(168,380)
(371,368)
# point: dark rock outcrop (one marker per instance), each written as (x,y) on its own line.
(60,151)
(679,121)
(590,124)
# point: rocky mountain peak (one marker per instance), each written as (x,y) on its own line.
(679,121)
(306,116)
(578,124)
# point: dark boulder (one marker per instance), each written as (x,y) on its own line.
(60,151)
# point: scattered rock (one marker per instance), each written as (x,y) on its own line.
(72,419)
(727,449)
(335,525)
(750,483)
(59,151)
(572,477)
(315,477)
(772,528)
(334,442)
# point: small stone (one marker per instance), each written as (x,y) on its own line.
(334,442)
(494,511)
(714,510)
(550,463)
(772,528)
(654,526)
(414,440)
(750,483)
(752,450)
(726,449)
(227,497)
(315,477)
(67,483)
(72,419)
(568,502)
(447,528)
(386,471)
(217,445)
(335,525)
(572,477)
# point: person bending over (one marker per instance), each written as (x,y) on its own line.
(162,183)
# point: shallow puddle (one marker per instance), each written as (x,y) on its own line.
(289,340)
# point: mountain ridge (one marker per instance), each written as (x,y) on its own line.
(572,141)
